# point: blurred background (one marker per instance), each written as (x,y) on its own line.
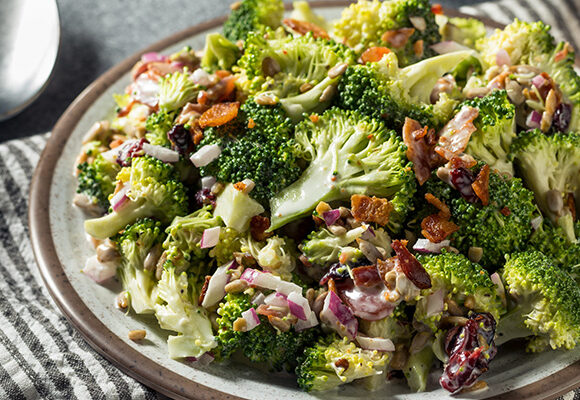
(96,35)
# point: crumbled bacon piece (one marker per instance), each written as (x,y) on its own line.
(461,162)
(219,114)
(384,266)
(303,27)
(455,135)
(505,211)
(418,48)
(563,53)
(240,186)
(196,133)
(264,309)
(331,285)
(398,38)
(436,8)
(438,204)
(367,276)
(204,289)
(374,54)
(571,203)
(258,227)
(370,209)
(437,227)
(481,185)
(410,266)
(420,142)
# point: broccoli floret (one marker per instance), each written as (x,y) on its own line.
(257,145)
(219,53)
(552,242)
(349,154)
(459,279)
(495,131)
(155,191)
(97,180)
(396,326)
(501,227)
(229,243)
(264,344)
(175,90)
(322,366)
(275,255)
(303,12)
(382,90)
(546,303)
(178,310)
(253,16)
(363,25)
(292,69)
(157,126)
(550,167)
(134,244)
(418,366)
(465,31)
(323,248)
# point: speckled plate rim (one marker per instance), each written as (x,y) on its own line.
(99,337)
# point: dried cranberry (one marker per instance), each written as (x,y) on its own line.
(562,117)
(204,197)
(462,179)
(470,349)
(180,139)
(337,271)
(129,151)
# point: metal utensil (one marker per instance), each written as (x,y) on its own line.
(29,41)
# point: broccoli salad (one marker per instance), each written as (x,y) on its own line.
(370,199)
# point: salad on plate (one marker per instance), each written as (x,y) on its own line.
(366,199)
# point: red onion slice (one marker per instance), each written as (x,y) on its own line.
(369,234)
(448,46)
(205,155)
(120,198)
(161,153)
(534,119)
(252,319)
(375,343)
(268,281)
(153,56)
(208,181)
(276,299)
(419,23)
(426,246)
(330,217)
(538,81)
(338,316)
(502,58)
(146,90)
(298,305)
(210,237)
(310,322)
(259,299)
(435,303)
(216,286)
(98,271)
(200,77)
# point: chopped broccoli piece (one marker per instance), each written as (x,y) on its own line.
(155,191)
(550,167)
(418,366)
(495,131)
(323,248)
(546,303)
(363,24)
(303,12)
(262,344)
(175,90)
(382,90)
(275,255)
(322,366)
(97,180)
(349,154)
(465,31)
(229,243)
(219,53)
(158,125)
(396,326)
(253,16)
(134,244)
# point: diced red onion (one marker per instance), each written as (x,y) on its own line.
(208,181)
(98,271)
(259,299)
(276,299)
(177,65)
(310,322)
(497,281)
(448,46)
(205,155)
(435,303)
(426,246)
(161,153)
(268,281)
(153,56)
(210,237)
(338,316)
(111,155)
(252,319)
(200,77)
(369,234)
(146,90)
(330,217)
(120,198)
(205,359)
(538,81)
(298,305)
(536,222)
(502,58)
(216,286)
(419,23)
(375,343)
(533,120)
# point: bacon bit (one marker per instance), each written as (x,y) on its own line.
(455,135)
(304,260)
(204,289)
(410,266)
(221,73)
(444,211)
(571,203)
(343,258)
(196,133)
(219,114)
(420,142)
(116,143)
(384,266)
(481,185)
(367,209)
(230,86)
(367,276)
(263,309)
(127,109)
(436,228)
(342,363)
(461,162)
(563,53)
(158,69)
(251,123)
(303,27)
(139,68)
(333,178)
(240,186)
(331,285)
(418,48)
(314,118)
(505,211)
(258,227)
(374,54)
(398,38)
(437,9)
(370,136)
(202,98)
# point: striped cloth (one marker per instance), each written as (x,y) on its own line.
(41,354)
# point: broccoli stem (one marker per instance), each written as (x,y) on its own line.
(417,368)
(110,224)
(511,326)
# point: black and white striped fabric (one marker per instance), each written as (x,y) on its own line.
(41,355)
